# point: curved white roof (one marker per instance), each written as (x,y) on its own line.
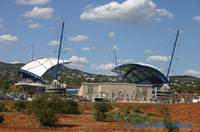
(40,66)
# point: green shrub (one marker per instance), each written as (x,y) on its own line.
(135,115)
(138,118)
(70,107)
(101,108)
(44,108)
(19,106)
(137,110)
(3,108)
(1,119)
(153,114)
(46,117)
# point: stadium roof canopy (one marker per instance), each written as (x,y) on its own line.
(37,68)
(141,74)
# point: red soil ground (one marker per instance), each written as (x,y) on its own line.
(182,113)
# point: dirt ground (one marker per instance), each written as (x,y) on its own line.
(182,113)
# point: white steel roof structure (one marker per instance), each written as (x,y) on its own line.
(37,68)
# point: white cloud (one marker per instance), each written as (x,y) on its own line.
(77,38)
(162,69)
(124,61)
(196,18)
(38,12)
(158,58)
(2,28)
(1,20)
(8,39)
(1,25)
(15,62)
(35,25)
(129,11)
(32,2)
(146,64)
(107,66)
(115,48)
(87,48)
(111,34)
(80,60)
(192,72)
(68,49)
(32,24)
(148,51)
(54,43)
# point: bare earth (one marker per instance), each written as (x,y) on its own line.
(182,113)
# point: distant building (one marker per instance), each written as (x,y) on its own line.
(72,90)
(196,100)
(140,83)
(34,70)
(116,91)
(32,75)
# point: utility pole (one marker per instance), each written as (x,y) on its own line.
(172,56)
(57,66)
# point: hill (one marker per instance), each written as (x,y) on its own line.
(185,79)
(73,77)
(186,84)
(76,77)
(8,75)
(9,70)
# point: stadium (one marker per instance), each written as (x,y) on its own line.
(31,76)
(137,83)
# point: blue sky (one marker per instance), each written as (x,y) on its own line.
(141,31)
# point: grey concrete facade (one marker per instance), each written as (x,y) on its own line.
(116,91)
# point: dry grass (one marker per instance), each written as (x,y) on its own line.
(21,122)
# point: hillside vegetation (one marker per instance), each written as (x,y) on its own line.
(186,84)
(72,77)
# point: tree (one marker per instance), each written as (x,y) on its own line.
(3,108)
(101,108)
(19,106)
(44,108)
(70,107)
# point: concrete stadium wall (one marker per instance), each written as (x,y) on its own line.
(116,91)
